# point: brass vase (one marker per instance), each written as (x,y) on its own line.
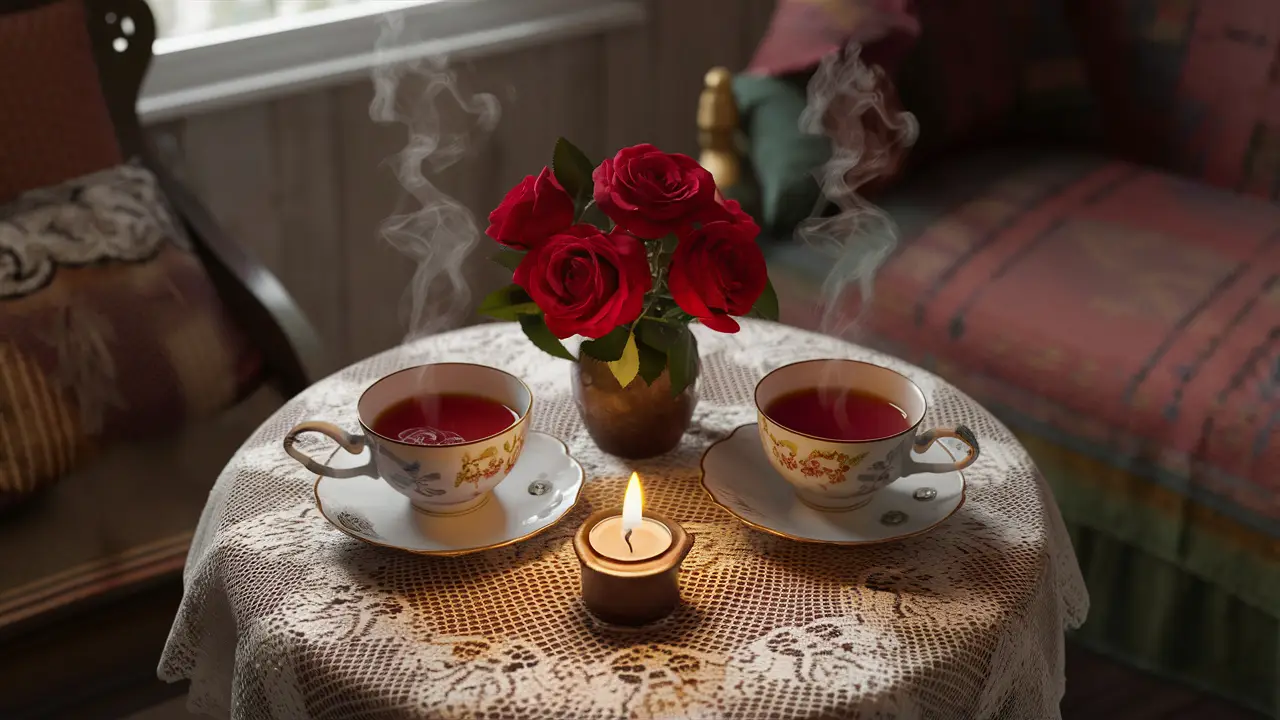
(638,421)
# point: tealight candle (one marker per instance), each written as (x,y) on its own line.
(630,537)
(631,562)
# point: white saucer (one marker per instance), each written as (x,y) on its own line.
(542,488)
(739,478)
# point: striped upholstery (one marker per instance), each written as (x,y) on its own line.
(1190,85)
(120,522)
(1126,324)
(1122,313)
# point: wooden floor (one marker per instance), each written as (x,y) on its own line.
(1097,689)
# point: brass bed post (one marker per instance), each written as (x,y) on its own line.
(717,127)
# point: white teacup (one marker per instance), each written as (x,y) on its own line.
(832,474)
(441,479)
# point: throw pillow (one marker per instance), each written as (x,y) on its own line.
(109,328)
(772,94)
(971,72)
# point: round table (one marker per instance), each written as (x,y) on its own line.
(284,616)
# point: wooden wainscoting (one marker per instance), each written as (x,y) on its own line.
(302,181)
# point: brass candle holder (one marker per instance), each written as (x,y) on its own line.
(625,592)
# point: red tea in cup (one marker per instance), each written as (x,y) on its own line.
(443,419)
(835,413)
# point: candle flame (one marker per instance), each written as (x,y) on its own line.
(632,505)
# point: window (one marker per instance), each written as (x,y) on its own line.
(176,18)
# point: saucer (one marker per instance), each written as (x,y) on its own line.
(542,488)
(739,478)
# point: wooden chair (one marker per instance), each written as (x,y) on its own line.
(85,641)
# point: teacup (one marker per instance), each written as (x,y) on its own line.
(832,474)
(439,479)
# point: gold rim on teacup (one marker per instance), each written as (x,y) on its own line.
(755,395)
(422,368)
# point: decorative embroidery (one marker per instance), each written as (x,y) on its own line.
(116,214)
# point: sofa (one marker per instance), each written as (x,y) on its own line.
(139,346)
(1089,245)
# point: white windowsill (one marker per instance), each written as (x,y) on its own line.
(260,60)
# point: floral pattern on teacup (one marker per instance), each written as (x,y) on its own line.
(476,469)
(788,455)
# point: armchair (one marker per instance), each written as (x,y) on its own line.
(91,574)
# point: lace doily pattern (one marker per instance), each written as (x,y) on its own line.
(286,617)
(115,214)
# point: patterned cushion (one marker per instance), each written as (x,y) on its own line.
(1189,85)
(109,327)
(1118,312)
(54,124)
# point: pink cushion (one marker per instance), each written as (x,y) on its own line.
(802,32)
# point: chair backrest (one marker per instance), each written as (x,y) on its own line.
(122,33)
(70,76)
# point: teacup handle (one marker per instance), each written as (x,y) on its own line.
(349,442)
(926,439)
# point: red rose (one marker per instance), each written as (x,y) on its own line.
(586,283)
(652,194)
(730,210)
(534,210)
(718,271)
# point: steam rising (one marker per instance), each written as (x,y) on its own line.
(869,137)
(441,232)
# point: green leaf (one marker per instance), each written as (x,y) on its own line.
(677,313)
(652,362)
(627,367)
(683,360)
(508,259)
(593,215)
(659,336)
(535,328)
(508,303)
(573,171)
(767,304)
(609,347)
(669,243)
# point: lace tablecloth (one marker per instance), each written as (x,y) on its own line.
(286,617)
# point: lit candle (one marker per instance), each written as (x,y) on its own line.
(631,563)
(630,537)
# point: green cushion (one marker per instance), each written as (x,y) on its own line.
(781,158)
